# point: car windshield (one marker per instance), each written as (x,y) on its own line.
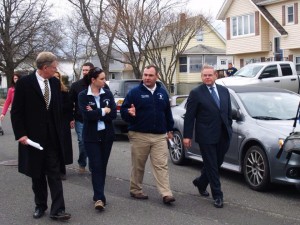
(270,105)
(249,70)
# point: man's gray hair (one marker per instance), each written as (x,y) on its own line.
(45,59)
(206,66)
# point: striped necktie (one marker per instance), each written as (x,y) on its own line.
(215,97)
(46,94)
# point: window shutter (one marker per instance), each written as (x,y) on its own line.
(283,15)
(256,23)
(291,58)
(228,28)
(263,59)
(296,12)
(241,63)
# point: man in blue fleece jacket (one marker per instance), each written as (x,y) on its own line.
(147,110)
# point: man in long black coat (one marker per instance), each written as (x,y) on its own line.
(35,118)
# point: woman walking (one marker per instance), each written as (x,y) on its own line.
(98,109)
(10,95)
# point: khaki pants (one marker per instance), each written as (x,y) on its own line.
(143,145)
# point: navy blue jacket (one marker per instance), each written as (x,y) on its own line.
(153,111)
(90,118)
(203,113)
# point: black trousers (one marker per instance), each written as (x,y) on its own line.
(213,157)
(50,175)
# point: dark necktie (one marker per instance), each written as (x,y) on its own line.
(215,97)
(46,94)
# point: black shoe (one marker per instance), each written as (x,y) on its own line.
(62,216)
(38,213)
(168,199)
(218,203)
(203,193)
(63,176)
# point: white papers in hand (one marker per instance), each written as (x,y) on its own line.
(34,144)
(172,144)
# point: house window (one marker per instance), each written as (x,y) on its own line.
(211,60)
(290,14)
(183,64)
(195,64)
(199,35)
(242,25)
(297,61)
(111,61)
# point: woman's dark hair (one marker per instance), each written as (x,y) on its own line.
(13,83)
(93,73)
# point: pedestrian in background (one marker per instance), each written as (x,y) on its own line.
(98,109)
(231,70)
(67,117)
(10,95)
(147,110)
(209,110)
(77,121)
(36,115)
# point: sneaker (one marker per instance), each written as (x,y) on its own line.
(99,205)
(81,169)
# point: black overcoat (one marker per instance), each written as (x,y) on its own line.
(28,116)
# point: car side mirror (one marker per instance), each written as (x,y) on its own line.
(265,75)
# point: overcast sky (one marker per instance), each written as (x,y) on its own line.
(207,7)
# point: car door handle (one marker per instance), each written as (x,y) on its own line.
(293,79)
(276,81)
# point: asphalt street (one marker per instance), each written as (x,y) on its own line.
(279,206)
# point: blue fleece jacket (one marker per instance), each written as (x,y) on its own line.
(153,111)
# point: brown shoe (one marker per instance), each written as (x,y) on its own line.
(168,199)
(139,195)
(81,170)
(99,205)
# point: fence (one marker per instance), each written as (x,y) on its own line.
(3,93)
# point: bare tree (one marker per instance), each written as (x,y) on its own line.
(79,46)
(97,17)
(139,21)
(176,37)
(24,30)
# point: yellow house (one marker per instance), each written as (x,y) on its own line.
(261,30)
(206,47)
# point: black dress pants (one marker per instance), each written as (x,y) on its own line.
(213,157)
(50,174)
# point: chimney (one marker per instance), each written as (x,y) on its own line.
(182,19)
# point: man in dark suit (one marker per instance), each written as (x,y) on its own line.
(36,115)
(209,110)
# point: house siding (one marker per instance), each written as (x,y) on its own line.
(209,39)
(291,41)
(245,58)
(245,44)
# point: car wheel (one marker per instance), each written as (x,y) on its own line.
(256,169)
(177,150)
